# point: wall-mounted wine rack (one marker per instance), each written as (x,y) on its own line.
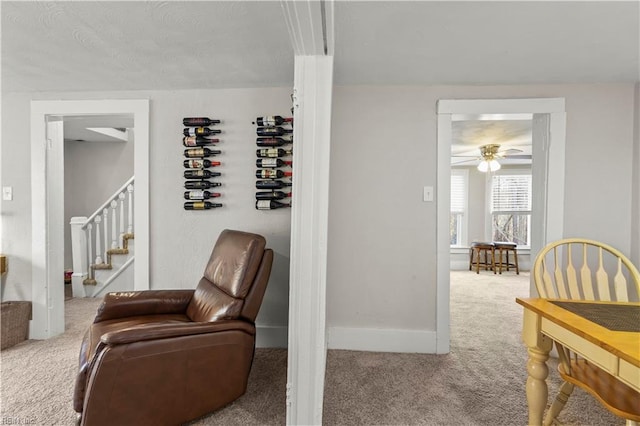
(273,160)
(200,154)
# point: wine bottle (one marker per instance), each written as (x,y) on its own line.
(272,152)
(271,184)
(273,131)
(272,120)
(200,184)
(201,152)
(272,174)
(200,131)
(198,141)
(200,195)
(272,195)
(272,141)
(272,162)
(270,205)
(200,205)
(200,164)
(198,121)
(200,174)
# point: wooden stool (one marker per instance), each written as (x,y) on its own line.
(507,248)
(475,251)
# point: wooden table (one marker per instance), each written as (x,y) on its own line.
(616,352)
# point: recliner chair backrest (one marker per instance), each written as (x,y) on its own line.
(237,263)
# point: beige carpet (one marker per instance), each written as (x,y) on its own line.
(481,382)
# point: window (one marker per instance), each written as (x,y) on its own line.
(511,208)
(458,216)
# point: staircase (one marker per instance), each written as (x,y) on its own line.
(107,231)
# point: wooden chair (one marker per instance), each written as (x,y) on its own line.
(476,250)
(502,249)
(565,269)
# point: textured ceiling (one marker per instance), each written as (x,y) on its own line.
(132,45)
(103,45)
(512,133)
(477,42)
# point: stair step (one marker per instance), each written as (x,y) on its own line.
(101,266)
(118,251)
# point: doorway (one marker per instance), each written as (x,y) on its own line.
(547,175)
(47,177)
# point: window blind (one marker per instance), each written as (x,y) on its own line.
(458,193)
(511,193)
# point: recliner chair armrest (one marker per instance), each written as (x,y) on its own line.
(148,302)
(163,331)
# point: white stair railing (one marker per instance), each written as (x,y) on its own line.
(83,233)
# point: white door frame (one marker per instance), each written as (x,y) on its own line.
(47,271)
(552,212)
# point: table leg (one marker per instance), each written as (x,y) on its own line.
(537,392)
(538,346)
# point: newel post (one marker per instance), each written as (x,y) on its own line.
(79,255)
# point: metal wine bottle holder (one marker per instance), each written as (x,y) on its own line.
(273,161)
(201,163)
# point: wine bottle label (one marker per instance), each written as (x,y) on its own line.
(195,174)
(198,205)
(196,195)
(198,152)
(189,141)
(200,131)
(263,205)
(196,164)
(270,162)
(269,121)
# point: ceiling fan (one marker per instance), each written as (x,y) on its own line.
(489,155)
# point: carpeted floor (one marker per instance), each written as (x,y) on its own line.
(481,382)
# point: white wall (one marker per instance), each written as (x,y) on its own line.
(382,266)
(381,248)
(93,171)
(635,211)
(180,240)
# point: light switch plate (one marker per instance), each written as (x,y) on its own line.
(7,193)
(428,193)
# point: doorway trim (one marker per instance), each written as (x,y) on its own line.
(551,224)
(48,311)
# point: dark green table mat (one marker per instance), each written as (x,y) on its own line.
(612,317)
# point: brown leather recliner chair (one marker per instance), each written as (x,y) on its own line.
(164,357)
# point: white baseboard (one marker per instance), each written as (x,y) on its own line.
(382,340)
(270,336)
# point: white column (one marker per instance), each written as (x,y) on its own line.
(79,255)
(130,208)
(114,232)
(120,238)
(309,219)
(89,245)
(310,25)
(97,221)
(105,216)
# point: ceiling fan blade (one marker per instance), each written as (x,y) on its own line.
(453,163)
(469,153)
(510,151)
(519,157)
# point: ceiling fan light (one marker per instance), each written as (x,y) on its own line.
(494,165)
(483,166)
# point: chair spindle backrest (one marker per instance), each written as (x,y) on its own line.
(556,276)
